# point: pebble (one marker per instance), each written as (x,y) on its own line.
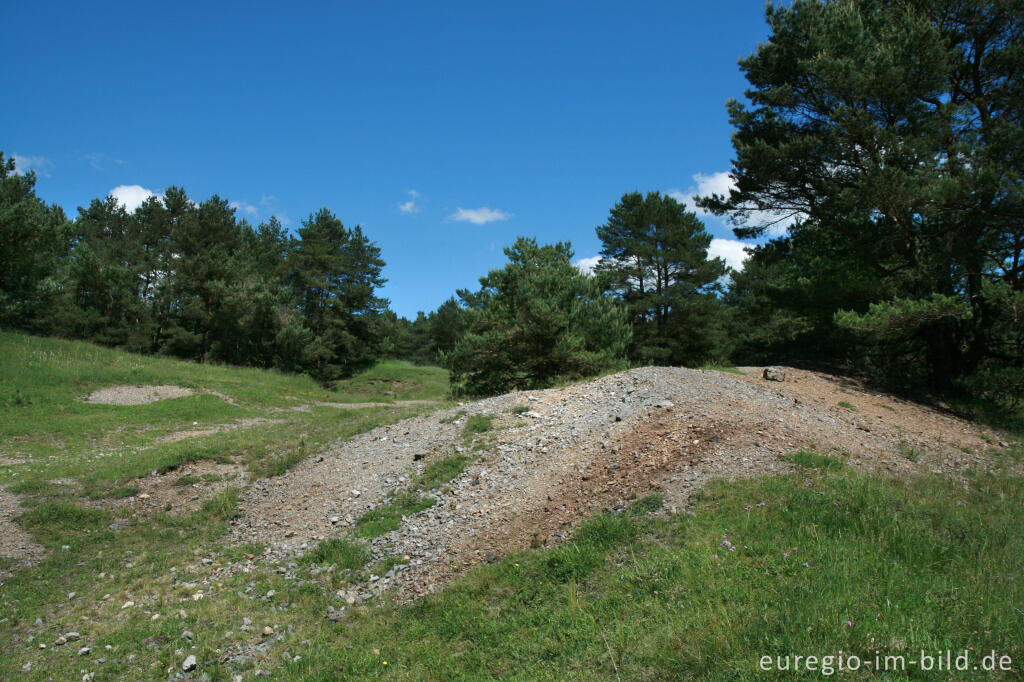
(189,663)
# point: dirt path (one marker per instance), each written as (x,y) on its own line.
(15,543)
(592,446)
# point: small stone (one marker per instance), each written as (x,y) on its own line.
(188,634)
(128,605)
(189,663)
(72,636)
(155,616)
(774,374)
(84,651)
(268,631)
(60,641)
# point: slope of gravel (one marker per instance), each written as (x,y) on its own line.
(588,447)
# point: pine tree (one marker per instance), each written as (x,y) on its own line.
(654,256)
(335,274)
(534,321)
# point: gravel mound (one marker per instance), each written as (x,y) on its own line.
(589,447)
(136,395)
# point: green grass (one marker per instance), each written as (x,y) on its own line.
(387,517)
(344,554)
(849,406)
(811,460)
(45,423)
(395,380)
(440,472)
(477,424)
(647,504)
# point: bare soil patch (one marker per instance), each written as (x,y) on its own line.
(15,543)
(184,489)
(248,423)
(136,395)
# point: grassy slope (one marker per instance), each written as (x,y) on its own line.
(927,563)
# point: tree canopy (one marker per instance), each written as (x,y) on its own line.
(893,129)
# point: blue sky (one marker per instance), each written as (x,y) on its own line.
(444,129)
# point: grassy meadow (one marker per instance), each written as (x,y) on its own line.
(817,562)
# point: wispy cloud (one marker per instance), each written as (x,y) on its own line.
(410,206)
(102,162)
(268,202)
(23,164)
(132,196)
(244,207)
(479,216)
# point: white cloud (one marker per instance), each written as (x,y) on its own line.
(587,265)
(244,206)
(721,183)
(132,196)
(410,206)
(479,216)
(24,164)
(704,185)
(731,250)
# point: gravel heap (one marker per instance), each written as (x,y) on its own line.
(584,448)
